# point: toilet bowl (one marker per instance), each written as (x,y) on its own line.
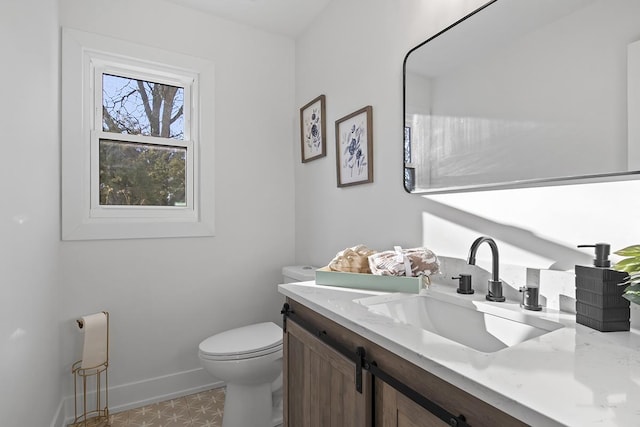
(249,360)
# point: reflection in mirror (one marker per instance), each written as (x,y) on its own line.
(525,93)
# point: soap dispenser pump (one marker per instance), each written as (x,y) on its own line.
(599,301)
(602,254)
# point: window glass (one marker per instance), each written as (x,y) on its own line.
(142,174)
(141,107)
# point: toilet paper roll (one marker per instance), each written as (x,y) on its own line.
(94,352)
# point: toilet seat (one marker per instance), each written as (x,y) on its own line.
(240,356)
(243,343)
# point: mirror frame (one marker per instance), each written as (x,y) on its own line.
(528,183)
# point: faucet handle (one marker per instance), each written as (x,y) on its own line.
(530,298)
(464,284)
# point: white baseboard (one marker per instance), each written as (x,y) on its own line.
(58,418)
(140,393)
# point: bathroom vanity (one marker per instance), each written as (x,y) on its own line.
(322,384)
(349,361)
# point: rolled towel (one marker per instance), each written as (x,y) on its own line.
(404,262)
(352,260)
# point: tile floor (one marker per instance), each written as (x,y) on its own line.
(202,409)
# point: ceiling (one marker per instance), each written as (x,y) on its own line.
(286,17)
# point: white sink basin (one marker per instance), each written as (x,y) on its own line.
(483,326)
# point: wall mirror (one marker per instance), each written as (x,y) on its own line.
(525,93)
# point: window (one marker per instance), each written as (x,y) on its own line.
(136,162)
(141,139)
(143,171)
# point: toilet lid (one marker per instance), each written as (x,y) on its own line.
(248,340)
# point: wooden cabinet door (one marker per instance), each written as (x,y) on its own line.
(394,409)
(319,384)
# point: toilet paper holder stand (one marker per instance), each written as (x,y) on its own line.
(89,376)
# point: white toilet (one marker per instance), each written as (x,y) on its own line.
(249,360)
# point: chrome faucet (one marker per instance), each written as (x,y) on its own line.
(494,291)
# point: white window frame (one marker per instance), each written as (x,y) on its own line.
(101,64)
(85,57)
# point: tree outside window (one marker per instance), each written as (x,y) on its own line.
(149,173)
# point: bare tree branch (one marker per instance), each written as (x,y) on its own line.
(178,114)
(112,125)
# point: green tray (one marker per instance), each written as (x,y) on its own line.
(370,281)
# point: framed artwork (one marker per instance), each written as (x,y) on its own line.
(313,130)
(354,148)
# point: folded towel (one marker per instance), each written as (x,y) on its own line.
(352,260)
(404,262)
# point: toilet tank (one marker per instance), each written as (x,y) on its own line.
(298,273)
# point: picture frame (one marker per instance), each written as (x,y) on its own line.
(313,132)
(354,148)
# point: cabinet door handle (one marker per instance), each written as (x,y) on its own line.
(359,363)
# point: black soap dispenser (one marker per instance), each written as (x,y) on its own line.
(599,301)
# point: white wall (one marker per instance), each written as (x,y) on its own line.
(30,381)
(353,54)
(166,295)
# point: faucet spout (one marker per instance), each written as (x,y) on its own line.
(494,292)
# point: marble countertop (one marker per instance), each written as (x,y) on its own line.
(573,376)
